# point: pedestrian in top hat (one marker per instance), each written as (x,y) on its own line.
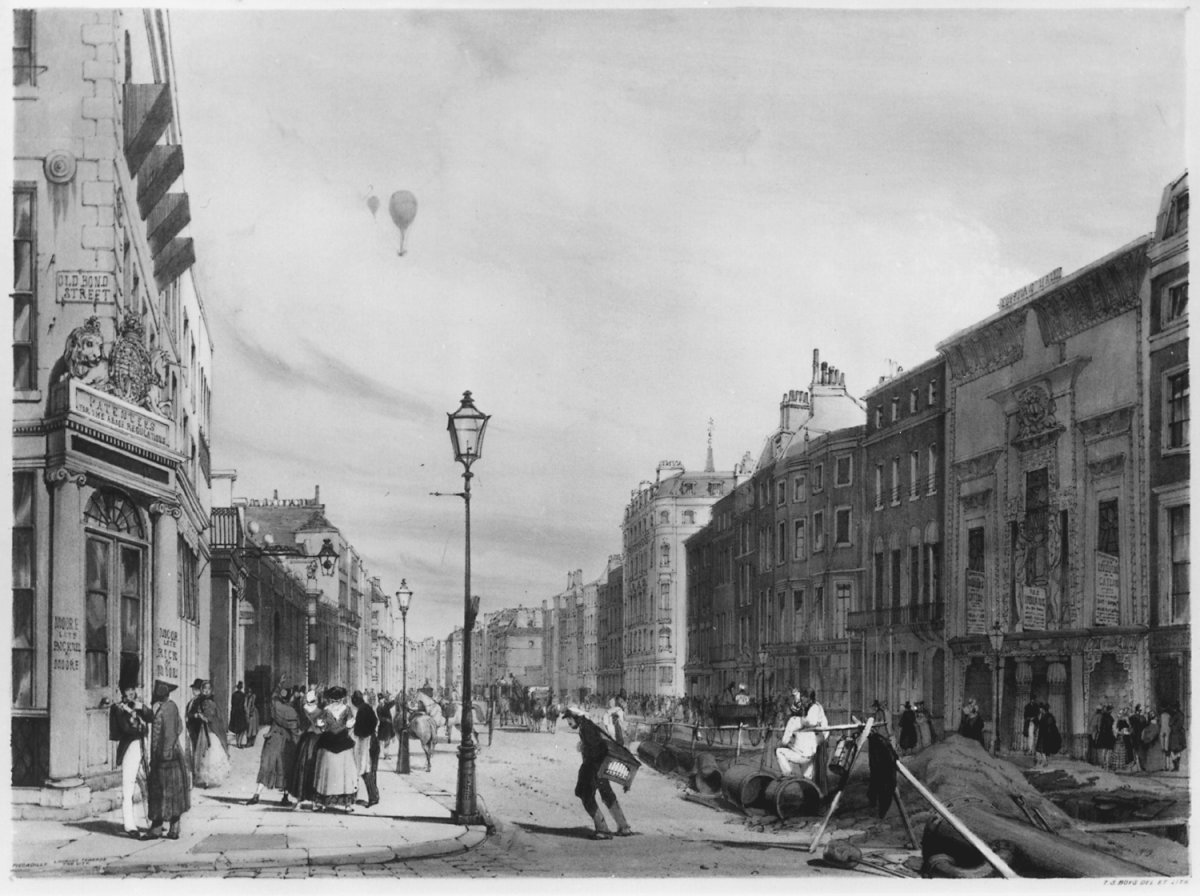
(168,787)
(193,717)
(908,729)
(366,745)
(129,722)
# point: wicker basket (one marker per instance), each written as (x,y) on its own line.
(619,766)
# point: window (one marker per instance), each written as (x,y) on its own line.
(879,486)
(841,525)
(666,674)
(664,639)
(879,417)
(189,603)
(1174,306)
(24,60)
(664,553)
(24,285)
(1177,215)
(689,517)
(843,470)
(933,392)
(914,397)
(895,481)
(818,478)
(975,550)
(96,610)
(1108,538)
(877,580)
(798,614)
(798,540)
(781,544)
(896,578)
(1179,522)
(24,643)
(799,492)
(781,493)
(1036,526)
(931,582)
(933,470)
(895,408)
(914,472)
(818,539)
(1178,410)
(665,518)
(664,597)
(819,612)
(914,573)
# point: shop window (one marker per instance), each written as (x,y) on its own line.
(24,649)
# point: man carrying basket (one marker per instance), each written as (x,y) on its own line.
(596,746)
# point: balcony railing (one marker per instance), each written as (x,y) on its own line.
(913,614)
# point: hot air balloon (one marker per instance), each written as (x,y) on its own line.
(373,204)
(403,208)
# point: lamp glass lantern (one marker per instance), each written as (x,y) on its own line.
(996,637)
(327,557)
(467,426)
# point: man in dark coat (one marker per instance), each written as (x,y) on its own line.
(192,713)
(237,716)
(169,788)
(366,746)
(129,723)
(593,744)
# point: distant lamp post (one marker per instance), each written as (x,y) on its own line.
(996,637)
(403,599)
(466,427)
(763,657)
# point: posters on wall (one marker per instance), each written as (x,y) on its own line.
(976,610)
(1108,589)
(1033,607)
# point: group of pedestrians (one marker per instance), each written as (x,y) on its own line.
(321,745)
(1125,740)
(152,753)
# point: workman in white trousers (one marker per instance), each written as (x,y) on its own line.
(800,741)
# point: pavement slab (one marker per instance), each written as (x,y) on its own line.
(223,835)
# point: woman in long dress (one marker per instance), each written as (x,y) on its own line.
(279,749)
(300,784)
(387,729)
(168,789)
(237,716)
(335,782)
(252,723)
(211,758)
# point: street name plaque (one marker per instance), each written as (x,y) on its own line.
(85,287)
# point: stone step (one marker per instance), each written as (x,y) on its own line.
(100,803)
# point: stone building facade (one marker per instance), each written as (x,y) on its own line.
(1046,517)
(112,373)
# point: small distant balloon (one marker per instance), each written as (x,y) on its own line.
(403,208)
(373,204)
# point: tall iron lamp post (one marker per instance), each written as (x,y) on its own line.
(403,598)
(996,637)
(466,427)
(325,561)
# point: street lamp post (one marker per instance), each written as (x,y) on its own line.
(403,598)
(996,637)
(466,427)
(326,563)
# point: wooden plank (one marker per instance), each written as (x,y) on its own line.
(1132,825)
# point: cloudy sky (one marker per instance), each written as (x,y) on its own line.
(630,221)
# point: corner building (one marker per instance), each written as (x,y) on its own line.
(111,395)
(1045,511)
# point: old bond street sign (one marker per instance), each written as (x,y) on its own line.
(88,287)
(119,415)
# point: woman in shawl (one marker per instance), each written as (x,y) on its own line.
(387,730)
(1106,737)
(1176,737)
(1049,740)
(211,759)
(304,767)
(168,788)
(335,782)
(279,749)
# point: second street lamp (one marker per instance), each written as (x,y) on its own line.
(996,636)
(403,599)
(466,427)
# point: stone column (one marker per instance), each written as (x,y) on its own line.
(1075,731)
(1056,677)
(68,728)
(165,611)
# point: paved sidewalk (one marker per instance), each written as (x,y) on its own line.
(221,833)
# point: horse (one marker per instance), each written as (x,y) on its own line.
(449,714)
(537,717)
(423,727)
